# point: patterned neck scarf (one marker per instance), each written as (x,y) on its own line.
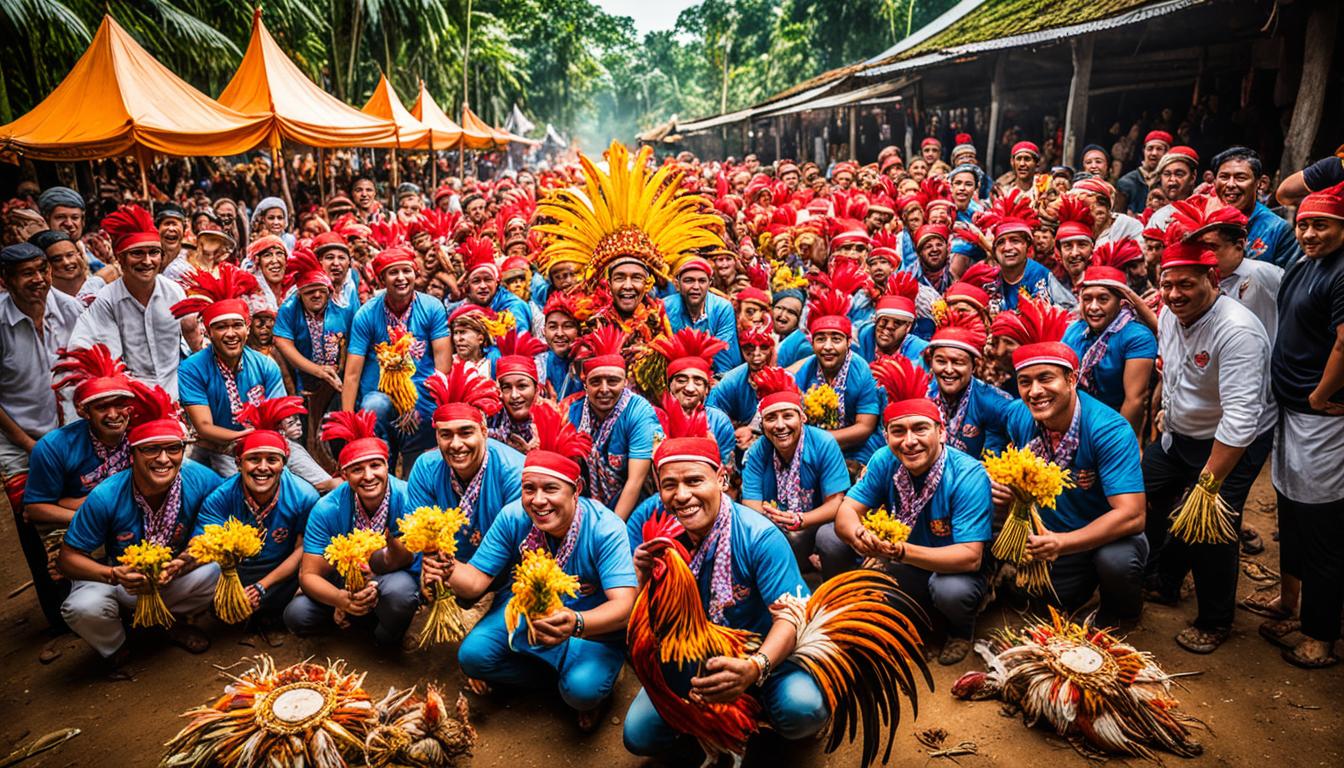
(261,511)
(536,539)
(159,524)
(467,498)
(911,503)
(231,383)
(402,322)
(955,420)
(110,461)
(720,539)
(604,480)
(788,483)
(1066,448)
(1097,351)
(841,379)
(324,348)
(939,280)
(502,427)
(376,522)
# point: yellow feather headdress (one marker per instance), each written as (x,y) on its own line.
(628,212)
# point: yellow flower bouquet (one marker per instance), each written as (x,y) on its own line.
(431,530)
(881,524)
(1035,482)
(228,545)
(538,585)
(822,405)
(396,366)
(148,559)
(350,552)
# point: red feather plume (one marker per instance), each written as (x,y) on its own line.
(387,234)
(1043,322)
(829,303)
(79,365)
(903,284)
(557,435)
(969,324)
(349,425)
(688,342)
(773,379)
(520,343)
(204,289)
(300,262)
(846,276)
(271,412)
(476,251)
(607,340)
(1074,208)
(678,423)
(150,403)
(126,220)
(1116,253)
(902,379)
(464,384)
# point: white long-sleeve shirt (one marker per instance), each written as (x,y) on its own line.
(1215,374)
(1255,286)
(147,336)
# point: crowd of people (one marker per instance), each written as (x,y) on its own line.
(768,352)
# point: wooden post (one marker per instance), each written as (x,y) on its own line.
(144,179)
(278,161)
(995,108)
(853,134)
(1075,119)
(1318,49)
(779,129)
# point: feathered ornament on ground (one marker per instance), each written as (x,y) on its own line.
(419,732)
(1102,694)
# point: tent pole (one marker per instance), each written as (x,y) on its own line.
(433,164)
(278,160)
(395,176)
(144,179)
(321,171)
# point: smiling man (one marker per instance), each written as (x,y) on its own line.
(696,307)
(157,500)
(312,330)
(583,642)
(689,378)
(369,499)
(1116,352)
(519,385)
(893,318)
(469,470)
(834,365)
(560,333)
(133,314)
(973,411)
(1236,176)
(482,286)
(1013,224)
(940,492)
(69,269)
(1093,536)
(1132,188)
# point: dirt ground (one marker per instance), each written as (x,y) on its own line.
(1260,709)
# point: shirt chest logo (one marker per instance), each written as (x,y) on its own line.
(741,593)
(970,430)
(615,460)
(1085,478)
(1201,360)
(279,535)
(940,527)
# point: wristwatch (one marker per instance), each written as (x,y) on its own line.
(763,665)
(578,624)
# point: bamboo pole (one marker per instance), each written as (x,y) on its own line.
(278,160)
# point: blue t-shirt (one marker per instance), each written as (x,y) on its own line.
(284,523)
(735,396)
(1270,238)
(631,437)
(428,323)
(983,428)
(1107,462)
(912,347)
(1133,342)
(793,348)
(57,463)
(719,320)
(960,512)
(290,323)
(821,470)
(334,515)
(1035,281)
(560,377)
(601,559)
(199,382)
(860,393)
(430,485)
(764,568)
(521,310)
(110,519)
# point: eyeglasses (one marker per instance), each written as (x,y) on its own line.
(153,450)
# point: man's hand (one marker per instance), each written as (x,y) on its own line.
(745,437)
(1044,546)
(1002,494)
(361,602)
(644,556)
(1321,402)
(725,679)
(328,374)
(434,570)
(786,520)
(554,629)
(1160,420)
(132,581)
(171,570)
(253,596)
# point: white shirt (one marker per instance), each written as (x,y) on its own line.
(147,337)
(1123,227)
(1255,286)
(1215,375)
(26,360)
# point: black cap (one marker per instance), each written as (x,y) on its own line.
(21,252)
(49,237)
(168,211)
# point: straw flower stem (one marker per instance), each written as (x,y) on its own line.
(1204,517)
(444,622)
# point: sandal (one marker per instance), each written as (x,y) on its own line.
(188,638)
(1265,604)
(1196,640)
(1277,632)
(954,651)
(1251,543)
(1292,656)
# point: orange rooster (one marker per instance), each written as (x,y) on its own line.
(853,636)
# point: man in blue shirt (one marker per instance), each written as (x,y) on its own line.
(796,476)
(69,462)
(1236,177)
(1115,349)
(481,283)
(941,493)
(833,364)
(1093,537)
(584,642)
(369,499)
(889,332)
(469,471)
(760,568)
(695,306)
(973,411)
(400,309)
(267,496)
(156,500)
(689,373)
(621,422)
(735,394)
(560,332)
(312,332)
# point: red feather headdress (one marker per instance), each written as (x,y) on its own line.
(266,418)
(154,416)
(358,430)
(776,388)
(689,349)
(686,436)
(130,226)
(217,298)
(462,394)
(518,352)
(602,349)
(94,373)
(1044,325)
(559,445)
(907,388)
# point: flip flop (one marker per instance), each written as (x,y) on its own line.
(1291,656)
(1258,605)
(1198,641)
(1277,632)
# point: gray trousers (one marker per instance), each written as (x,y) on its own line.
(94,610)
(398,600)
(952,598)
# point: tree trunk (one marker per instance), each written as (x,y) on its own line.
(1318,49)
(334,58)
(995,108)
(1075,119)
(355,27)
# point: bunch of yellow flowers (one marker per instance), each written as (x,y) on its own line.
(148,559)
(396,366)
(434,530)
(881,524)
(539,583)
(1030,476)
(350,552)
(228,544)
(821,403)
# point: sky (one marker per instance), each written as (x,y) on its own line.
(649,15)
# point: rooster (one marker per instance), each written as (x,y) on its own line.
(854,638)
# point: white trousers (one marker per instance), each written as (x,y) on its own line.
(94,609)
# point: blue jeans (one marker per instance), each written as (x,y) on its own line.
(398,599)
(586,669)
(406,446)
(791,698)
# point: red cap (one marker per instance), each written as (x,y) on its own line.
(776,389)
(605,345)
(95,373)
(1158,136)
(265,419)
(1107,277)
(845,166)
(930,141)
(390,257)
(891,160)
(518,352)
(687,436)
(153,416)
(1328,203)
(959,332)
(514,264)
(895,306)
(931,230)
(1179,253)
(558,444)
(264,243)
(217,298)
(967,292)
(357,429)
(1045,326)
(462,394)
(753,294)
(130,226)
(696,262)
(907,388)
(853,233)
(1027,147)
(1008,325)
(689,350)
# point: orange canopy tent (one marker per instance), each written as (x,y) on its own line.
(480,131)
(444,133)
(384,104)
(268,82)
(117,99)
